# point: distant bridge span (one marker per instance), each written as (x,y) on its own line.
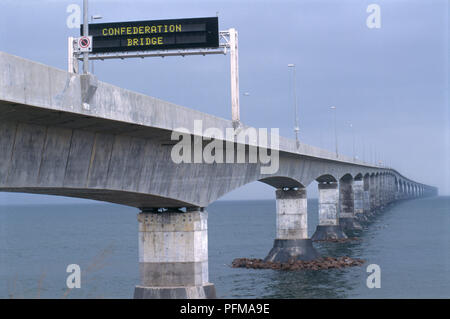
(71,135)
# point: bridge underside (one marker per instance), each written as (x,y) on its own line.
(14,112)
(60,153)
(112,196)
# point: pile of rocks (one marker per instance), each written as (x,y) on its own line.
(316,264)
(341,240)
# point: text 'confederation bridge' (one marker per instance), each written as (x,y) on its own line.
(71,135)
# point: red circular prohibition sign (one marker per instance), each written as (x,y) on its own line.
(84,42)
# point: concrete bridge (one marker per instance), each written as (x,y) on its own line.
(71,135)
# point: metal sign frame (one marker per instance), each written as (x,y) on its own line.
(228,41)
(154,35)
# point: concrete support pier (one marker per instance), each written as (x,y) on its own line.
(383,191)
(173,255)
(328,228)
(358,191)
(347,218)
(366,198)
(292,242)
(373,194)
(379,191)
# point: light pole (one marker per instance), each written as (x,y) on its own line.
(296,128)
(353,137)
(95,17)
(363,149)
(335,130)
(85,33)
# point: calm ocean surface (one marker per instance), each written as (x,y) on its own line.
(410,241)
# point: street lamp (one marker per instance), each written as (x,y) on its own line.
(296,128)
(353,137)
(335,130)
(363,149)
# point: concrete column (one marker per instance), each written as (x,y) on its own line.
(383,190)
(366,198)
(378,192)
(389,189)
(328,228)
(292,242)
(347,218)
(394,189)
(373,193)
(358,191)
(173,255)
(402,190)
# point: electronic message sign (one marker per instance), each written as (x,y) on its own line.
(154,35)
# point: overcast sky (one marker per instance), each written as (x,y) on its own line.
(391,83)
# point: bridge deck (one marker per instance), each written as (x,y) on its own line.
(40,94)
(116,149)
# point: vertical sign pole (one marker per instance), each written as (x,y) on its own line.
(234,77)
(72,65)
(70,59)
(85,33)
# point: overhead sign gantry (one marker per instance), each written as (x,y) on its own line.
(159,38)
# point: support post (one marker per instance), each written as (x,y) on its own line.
(366,198)
(173,255)
(85,33)
(72,61)
(292,242)
(393,189)
(373,193)
(234,64)
(378,192)
(358,190)
(347,205)
(382,190)
(328,228)
(402,190)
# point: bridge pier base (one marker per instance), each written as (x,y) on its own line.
(292,242)
(328,228)
(173,255)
